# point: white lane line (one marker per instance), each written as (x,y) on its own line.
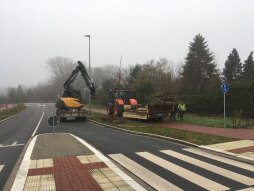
(221,159)
(184,173)
(1,167)
(149,177)
(20,178)
(111,165)
(218,170)
(38,124)
(2,146)
(13,144)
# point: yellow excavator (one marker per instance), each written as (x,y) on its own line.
(71,103)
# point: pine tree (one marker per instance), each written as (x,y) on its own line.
(199,72)
(233,67)
(248,68)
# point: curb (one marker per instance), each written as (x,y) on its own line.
(13,115)
(177,141)
(147,134)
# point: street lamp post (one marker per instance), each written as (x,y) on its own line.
(89,75)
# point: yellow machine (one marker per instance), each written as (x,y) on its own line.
(71,103)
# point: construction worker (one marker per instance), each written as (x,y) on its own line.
(181,110)
(173,113)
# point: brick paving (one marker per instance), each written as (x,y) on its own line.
(60,162)
(242,150)
(225,132)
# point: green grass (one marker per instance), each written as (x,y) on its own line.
(134,125)
(5,114)
(217,121)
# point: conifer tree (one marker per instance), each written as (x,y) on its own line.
(199,72)
(248,68)
(233,67)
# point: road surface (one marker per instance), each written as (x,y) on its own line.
(162,164)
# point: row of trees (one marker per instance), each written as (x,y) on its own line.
(197,80)
(236,71)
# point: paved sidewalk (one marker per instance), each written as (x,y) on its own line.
(242,147)
(64,162)
(225,132)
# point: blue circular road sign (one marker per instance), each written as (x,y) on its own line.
(224,87)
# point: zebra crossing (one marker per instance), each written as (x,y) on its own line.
(188,169)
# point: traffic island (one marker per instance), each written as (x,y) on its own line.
(65,162)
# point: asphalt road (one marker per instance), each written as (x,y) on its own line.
(14,133)
(158,161)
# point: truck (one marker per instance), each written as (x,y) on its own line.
(123,105)
(71,103)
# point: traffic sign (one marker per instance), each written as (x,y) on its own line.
(53,121)
(224,87)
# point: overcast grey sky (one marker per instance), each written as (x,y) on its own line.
(31,31)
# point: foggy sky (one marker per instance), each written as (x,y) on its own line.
(31,31)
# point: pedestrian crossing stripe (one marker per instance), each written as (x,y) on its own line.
(212,168)
(160,183)
(146,175)
(184,173)
(221,159)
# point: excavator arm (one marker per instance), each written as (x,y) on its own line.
(69,90)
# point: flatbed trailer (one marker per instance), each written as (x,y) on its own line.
(80,114)
(146,112)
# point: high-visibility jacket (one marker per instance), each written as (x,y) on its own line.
(182,107)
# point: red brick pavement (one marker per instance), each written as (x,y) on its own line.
(225,132)
(242,150)
(71,174)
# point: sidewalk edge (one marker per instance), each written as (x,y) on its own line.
(111,165)
(13,115)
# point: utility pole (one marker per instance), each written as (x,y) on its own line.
(89,75)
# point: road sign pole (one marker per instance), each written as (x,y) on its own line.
(224,110)
(53,125)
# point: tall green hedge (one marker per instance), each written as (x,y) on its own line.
(239,97)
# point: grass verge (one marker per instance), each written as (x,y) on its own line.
(134,125)
(218,121)
(5,114)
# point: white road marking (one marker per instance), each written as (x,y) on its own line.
(112,166)
(2,146)
(13,144)
(38,124)
(182,172)
(212,168)
(247,189)
(149,177)
(20,178)
(1,167)
(221,159)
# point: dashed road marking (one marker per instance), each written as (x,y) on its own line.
(16,145)
(1,167)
